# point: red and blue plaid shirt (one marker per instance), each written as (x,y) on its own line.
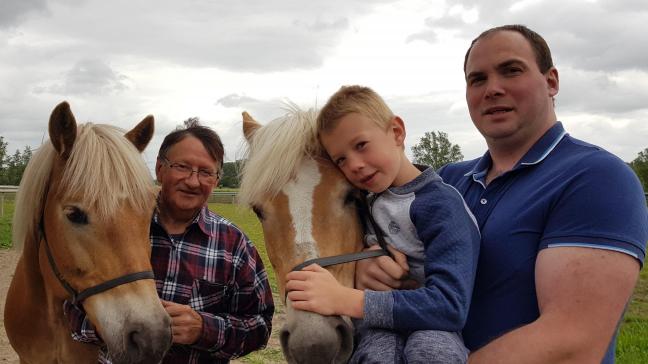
(216,270)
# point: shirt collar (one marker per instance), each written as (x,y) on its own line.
(201,219)
(538,152)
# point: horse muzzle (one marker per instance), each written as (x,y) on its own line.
(315,339)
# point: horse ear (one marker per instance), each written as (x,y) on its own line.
(142,133)
(62,129)
(249,126)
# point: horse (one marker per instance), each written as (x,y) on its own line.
(82,217)
(307,210)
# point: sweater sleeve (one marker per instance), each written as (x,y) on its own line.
(451,241)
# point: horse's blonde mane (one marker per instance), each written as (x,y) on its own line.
(104,168)
(275,152)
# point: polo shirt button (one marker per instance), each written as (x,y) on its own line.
(483,201)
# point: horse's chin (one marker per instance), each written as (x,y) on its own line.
(134,333)
(125,358)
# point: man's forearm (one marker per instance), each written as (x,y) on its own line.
(541,341)
(232,335)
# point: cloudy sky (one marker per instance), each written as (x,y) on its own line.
(117,61)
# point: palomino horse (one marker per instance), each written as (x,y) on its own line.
(307,210)
(82,215)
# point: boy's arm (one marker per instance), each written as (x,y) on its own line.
(315,289)
(451,241)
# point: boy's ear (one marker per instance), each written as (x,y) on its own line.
(398,127)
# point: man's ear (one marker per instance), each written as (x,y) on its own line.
(398,128)
(553,83)
(158,169)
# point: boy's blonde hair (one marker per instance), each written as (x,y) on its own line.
(353,99)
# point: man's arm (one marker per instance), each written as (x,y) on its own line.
(582,294)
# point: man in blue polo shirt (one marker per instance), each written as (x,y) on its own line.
(564,223)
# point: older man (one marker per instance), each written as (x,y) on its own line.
(209,276)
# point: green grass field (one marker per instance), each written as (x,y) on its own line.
(632,343)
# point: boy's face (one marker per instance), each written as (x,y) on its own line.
(369,156)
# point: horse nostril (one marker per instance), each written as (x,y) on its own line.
(284,337)
(345,337)
(135,342)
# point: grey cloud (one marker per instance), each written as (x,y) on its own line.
(603,35)
(427,36)
(12,12)
(283,35)
(235,100)
(600,92)
(88,76)
(319,25)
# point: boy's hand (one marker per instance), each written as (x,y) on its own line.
(384,273)
(186,324)
(315,289)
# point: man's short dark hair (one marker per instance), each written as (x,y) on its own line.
(538,44)
(209,139)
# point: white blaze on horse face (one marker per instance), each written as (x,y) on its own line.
(300,203)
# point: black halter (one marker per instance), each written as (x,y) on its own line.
(363,211)
(101,287)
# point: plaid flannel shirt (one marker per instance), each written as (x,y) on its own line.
(216,270)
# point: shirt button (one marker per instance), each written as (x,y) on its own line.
(483,201)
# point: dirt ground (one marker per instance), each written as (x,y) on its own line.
(8,260)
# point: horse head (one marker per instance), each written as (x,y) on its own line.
(86,200)
(307,210)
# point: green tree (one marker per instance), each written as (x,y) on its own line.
(12,167)
(435,150)
(230,177)
(3,152)
(640,166)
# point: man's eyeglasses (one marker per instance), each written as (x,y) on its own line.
(182,170)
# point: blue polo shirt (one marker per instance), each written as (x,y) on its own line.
(563,192)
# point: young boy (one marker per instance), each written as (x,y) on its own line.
(421,216)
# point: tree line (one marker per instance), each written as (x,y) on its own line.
(12,166)
(433,149)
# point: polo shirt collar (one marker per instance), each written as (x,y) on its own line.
(538,152)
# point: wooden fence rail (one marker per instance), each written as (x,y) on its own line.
(9,193)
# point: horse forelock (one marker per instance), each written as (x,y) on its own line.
(276,152)
(104,169)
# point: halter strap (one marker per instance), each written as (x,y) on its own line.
(342,258)
(91,291)
(352,257)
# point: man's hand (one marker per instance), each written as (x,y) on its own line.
(315,289)
(384,273)
(186,324)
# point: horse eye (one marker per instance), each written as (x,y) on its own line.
(258,211)
(76,215)
(352,197)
